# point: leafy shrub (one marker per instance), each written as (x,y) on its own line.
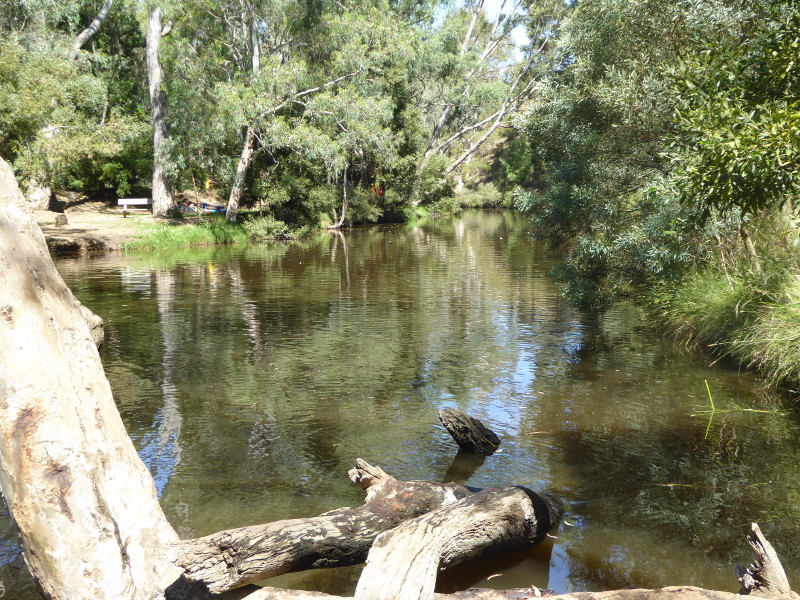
(265,228)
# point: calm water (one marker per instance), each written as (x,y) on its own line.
(251,379)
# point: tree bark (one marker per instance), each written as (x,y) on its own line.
(338,220)
(86,507)
(89,32)
(684,592)
(163,199)
(245,158)
(404,562)
(39,196)
(249,144)
(469,433)
(233,558)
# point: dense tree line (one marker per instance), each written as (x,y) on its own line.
(664,159)
(317,111)
(655,141)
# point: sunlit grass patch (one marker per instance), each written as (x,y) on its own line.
(211,231)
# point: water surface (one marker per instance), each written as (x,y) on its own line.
(251,379)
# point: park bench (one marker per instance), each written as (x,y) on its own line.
(138,203)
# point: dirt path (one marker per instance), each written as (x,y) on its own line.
(92,227)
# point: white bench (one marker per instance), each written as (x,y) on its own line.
(139,203)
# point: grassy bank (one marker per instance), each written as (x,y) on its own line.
(212,230)
(754,321)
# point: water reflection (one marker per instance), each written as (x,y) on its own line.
(252,379)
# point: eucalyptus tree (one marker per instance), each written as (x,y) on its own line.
(162,195)
(61,122)
(598,131)
(357,134)
(477,76)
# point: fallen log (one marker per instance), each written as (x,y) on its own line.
(404,562)
(765,567)
(529,593)
(236,557)
(468,432)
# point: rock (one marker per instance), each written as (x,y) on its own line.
(61,220)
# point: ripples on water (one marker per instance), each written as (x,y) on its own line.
(250,380)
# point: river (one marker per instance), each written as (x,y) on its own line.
(250,379)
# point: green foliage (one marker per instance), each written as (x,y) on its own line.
(213,230)
(485,195)
(71,124)
(738,135)
(597,135)
(266,228)
(433,186)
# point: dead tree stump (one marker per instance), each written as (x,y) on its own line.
(469,433)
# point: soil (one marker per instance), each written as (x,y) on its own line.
(92,227)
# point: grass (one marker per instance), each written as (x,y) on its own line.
(714,410)
(214,230)
(739,320)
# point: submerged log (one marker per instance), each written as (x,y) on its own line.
(404,562)
(469,433)
(235,557)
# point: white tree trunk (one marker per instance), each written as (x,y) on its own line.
(88,33)
(86,507)
(163,200)
(246,157)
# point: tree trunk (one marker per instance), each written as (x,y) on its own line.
(233,558)
(530,593)
(85,505)
(249,144)
(246,157)
(751,250)
(39,196)
(89,32)
(404,562)
(163,200)
(338,221)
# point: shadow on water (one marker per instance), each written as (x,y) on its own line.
(251,380)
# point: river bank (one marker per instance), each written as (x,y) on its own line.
(710,311)
(93,227)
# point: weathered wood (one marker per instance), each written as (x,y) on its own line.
(765,575)
(530,593)
(86,507)
(163,200)
(469,433)
(88,33)
(235,557)
(404,562)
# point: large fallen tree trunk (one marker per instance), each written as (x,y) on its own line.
(404,562)
(765,577)
(529,593)
(235,557)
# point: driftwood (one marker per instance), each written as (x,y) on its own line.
(765,569)
(765,575)
(530,593)
(495,519)
(235,557)
(404,562)
(469,433)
